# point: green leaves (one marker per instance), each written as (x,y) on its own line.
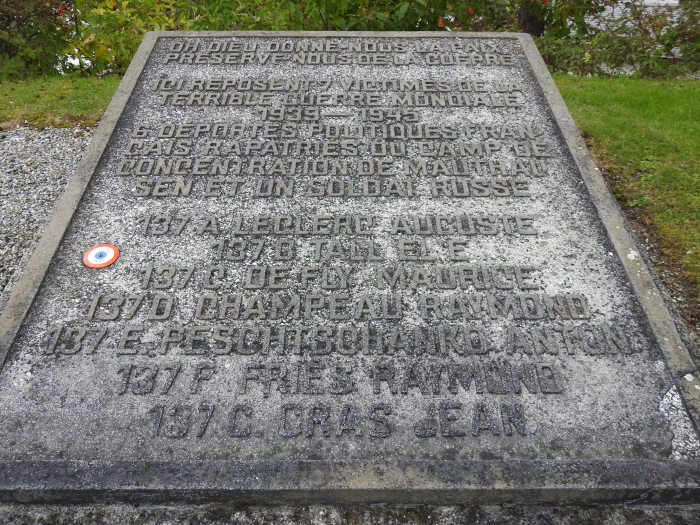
(110,31)
(103,35)
(644,42)
(401,13)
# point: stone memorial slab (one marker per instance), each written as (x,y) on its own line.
(340,267)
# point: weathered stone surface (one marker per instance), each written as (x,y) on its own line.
(370,267)
(218,513)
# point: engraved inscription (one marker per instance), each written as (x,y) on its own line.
(352,247)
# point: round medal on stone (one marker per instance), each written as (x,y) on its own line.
(101,255)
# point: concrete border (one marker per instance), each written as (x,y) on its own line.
(359,481)
(430,482)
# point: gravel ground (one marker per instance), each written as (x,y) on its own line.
(35,166)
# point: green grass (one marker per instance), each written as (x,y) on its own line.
(647,134)
(56,100)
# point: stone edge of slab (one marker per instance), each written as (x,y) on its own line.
(428,481)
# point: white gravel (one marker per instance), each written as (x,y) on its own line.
(35,166)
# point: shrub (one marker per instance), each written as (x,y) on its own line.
(31,39)
(103,35)
(108,33)
(646,42)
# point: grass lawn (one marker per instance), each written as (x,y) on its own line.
(56,100)
(646,136)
